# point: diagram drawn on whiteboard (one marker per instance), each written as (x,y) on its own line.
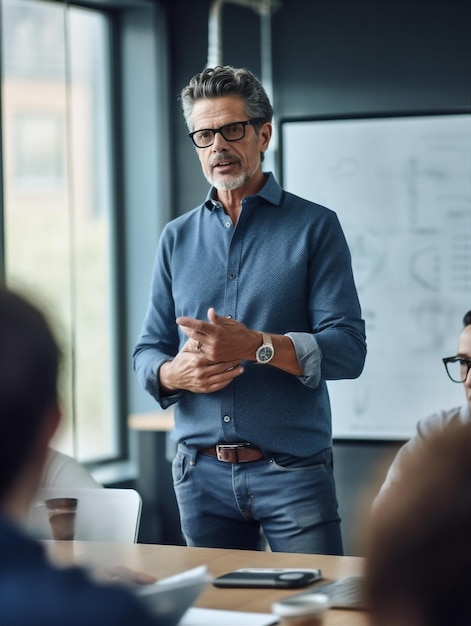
(401,187)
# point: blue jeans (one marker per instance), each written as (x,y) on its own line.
(290,499)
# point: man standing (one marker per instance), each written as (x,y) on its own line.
(252,308)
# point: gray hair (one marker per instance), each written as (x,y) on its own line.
(225,80)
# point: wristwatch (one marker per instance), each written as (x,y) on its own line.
(266,351)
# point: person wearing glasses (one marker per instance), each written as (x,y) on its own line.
(458,370)
(252,308)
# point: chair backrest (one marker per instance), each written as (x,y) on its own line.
(107,515)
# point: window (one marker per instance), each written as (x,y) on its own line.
(38,151)
(58,201)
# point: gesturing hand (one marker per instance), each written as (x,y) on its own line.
(192,371)
(222,339)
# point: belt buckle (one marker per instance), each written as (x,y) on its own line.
(222,447)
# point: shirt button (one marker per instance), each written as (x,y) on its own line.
(229,316)
(227,224)
(227,418)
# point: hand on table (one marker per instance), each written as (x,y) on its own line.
(123,575)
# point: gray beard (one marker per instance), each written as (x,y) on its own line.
(230,183)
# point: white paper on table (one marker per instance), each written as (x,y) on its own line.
(214,617)
(170,597)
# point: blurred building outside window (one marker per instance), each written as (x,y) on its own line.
(58,201)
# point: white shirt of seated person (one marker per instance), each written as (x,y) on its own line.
(62,470)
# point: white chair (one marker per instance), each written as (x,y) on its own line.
(106,515)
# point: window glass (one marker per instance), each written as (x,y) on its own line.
(58,200)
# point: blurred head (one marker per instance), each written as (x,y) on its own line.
(418,551)
(29,363)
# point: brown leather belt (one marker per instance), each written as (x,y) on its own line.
(234,452)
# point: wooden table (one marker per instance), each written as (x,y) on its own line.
(157,421)
(164,560)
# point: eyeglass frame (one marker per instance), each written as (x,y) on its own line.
(245,123)
(455,359)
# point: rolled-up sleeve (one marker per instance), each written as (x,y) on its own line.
(309,357)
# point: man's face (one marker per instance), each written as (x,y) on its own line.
(464,350)
(229,165)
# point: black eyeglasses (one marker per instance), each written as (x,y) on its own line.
(457,368)
(231,132)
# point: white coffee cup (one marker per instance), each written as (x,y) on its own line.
(302,610)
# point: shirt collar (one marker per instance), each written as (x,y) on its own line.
(271,192)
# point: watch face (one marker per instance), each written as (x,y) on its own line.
(265,353)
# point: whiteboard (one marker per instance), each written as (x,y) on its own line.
(401,187)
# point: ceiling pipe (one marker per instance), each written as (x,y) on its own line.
(214,34)
(263,7)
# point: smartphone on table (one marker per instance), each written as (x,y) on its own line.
(264,577)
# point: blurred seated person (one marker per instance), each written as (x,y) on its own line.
(62,470)
(458,368)
(418,544)
(32,591)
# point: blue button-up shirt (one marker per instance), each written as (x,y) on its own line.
(285,268)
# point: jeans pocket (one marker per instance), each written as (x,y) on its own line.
(180,466)
(286,463)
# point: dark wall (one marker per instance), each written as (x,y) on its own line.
(348,56)
(329,57)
